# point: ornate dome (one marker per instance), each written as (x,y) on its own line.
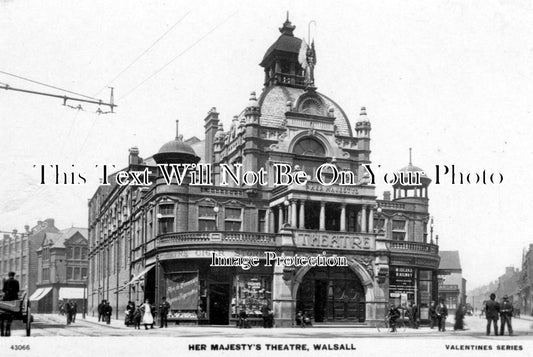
(176,152)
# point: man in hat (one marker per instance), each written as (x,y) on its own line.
(492,308)
(506,312)
(11,287)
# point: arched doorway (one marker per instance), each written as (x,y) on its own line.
(332,294)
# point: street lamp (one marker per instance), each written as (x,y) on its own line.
(85,282)
(216,209)
(431,229)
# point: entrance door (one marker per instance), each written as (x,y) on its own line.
(219,304)
(332,294)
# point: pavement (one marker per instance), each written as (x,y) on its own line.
(55,325)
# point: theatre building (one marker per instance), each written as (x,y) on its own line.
(158,239)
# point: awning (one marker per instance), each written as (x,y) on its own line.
(71,293)
(39,294)
(141,274)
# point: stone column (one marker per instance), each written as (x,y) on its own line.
(363,220)
(294,215)
(267,221)
(271,221)
(302,215)
(343,217)
(322,216)
(371,221)
(280,218)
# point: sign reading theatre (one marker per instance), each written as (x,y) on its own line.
(335,241)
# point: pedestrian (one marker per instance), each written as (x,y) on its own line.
(137,317)
(147,317)
(108,311)
(68,311)
(414,316)
(298,319)
(459,318)
(164,309)
(101,307)
(392,316)
(74,311)
(506,313)
(265,315)
(433,314)
(11,288)
(243,318)
(442,312)
(130,310)
(492,309)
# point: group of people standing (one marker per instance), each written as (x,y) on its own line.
(494,310)
(105,310)
(69,308)
(144,314)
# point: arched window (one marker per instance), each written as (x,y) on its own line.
(309,147)
(311,106)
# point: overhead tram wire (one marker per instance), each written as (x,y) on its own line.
(179,55)
(159,70)
(47,85)
(143,53)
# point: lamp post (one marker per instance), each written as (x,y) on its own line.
(85,282)
(286,203)
(216,209)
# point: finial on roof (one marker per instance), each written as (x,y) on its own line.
(287,28)
(410,156)
(177,129)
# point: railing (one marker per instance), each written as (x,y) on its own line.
(222,191)
(289,79)
(221,237)
(392,205)
(413,247)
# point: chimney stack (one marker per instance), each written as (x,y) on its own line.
(386,196)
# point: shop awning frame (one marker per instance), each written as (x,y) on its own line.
(72,293)
(40,293)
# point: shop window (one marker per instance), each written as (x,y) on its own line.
(251,292)
(207,218)
(261,220)
(233,218)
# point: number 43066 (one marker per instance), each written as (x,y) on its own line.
(20,347)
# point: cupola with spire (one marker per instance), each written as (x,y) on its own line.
(176,152)
(414,184)
(281,59)
(362,126)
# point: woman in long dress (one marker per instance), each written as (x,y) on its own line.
(148,318)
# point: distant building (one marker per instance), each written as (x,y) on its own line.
(18,253)
(61,270)
(452,285)
(525,283)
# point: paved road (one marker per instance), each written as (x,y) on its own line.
(54,325)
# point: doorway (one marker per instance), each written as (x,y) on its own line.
(219,299)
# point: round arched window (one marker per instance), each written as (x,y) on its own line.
(309,147)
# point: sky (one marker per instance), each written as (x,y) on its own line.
(451,79)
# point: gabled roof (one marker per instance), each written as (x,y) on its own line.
(57,240)
(449,260)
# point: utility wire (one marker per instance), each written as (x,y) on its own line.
(144,52)
(179,55)
(46,85)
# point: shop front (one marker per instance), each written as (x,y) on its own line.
(409,286)
(199,293)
